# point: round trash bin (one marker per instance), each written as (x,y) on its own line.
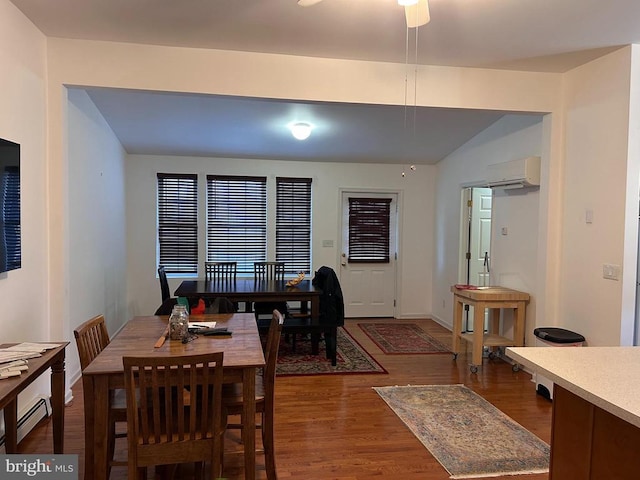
(553,337)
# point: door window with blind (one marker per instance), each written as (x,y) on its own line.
(369,230)
(237,220)
(178,222)
(293,224)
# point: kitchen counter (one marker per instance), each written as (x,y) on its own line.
(596,409)
(608,377)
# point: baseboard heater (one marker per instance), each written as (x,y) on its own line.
(40,410)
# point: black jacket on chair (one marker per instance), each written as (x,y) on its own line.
(331,300)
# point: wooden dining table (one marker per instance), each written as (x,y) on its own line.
(242,356)
(252,290)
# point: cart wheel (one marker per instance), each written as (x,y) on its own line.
(473,368)
(515,367)
(492,355)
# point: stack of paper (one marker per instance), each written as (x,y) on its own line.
(13,360)
(12,369)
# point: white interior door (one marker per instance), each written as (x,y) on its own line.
(476,249)
(369,288)
(480,243)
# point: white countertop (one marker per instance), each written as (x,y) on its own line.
(608,377)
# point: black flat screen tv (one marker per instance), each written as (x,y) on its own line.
(10,238)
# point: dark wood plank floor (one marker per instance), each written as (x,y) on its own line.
(336,426)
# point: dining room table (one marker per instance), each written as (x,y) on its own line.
(250,290)
(243,355)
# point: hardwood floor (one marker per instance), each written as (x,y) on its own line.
(336,426)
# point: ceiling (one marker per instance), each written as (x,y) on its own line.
(533,35)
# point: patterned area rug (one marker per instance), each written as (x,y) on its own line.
(402,338)
(351,358)
(468,436)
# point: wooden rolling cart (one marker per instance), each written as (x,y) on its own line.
(481,298)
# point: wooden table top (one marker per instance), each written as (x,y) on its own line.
(241,350)
(488,294)
(245,286)
(9,387)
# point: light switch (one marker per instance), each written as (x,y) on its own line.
(504,231)
(611,272)
(588,216)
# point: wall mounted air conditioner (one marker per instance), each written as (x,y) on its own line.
(524,172)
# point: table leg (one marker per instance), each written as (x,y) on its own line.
(457,325)
(518,328)
(89,405)
(11,426)
(96,428)
(478,332)
(57,403)
(249,422)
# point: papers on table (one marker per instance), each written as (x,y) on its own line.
(202,324)
(31,347)
(13,360)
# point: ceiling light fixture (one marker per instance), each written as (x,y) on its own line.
(300,130)
(416,12)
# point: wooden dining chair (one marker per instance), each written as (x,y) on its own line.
(268,271)
(91,338)
(232,399)
(177,415)
(220,271)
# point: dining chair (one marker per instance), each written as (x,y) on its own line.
(232,400)
(177,415)
(268,271)
(220,271)
(164,284)
(91,338)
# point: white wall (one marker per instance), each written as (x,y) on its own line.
(23,292)
(514,257)
(597,97)
(97,266)
(416,190)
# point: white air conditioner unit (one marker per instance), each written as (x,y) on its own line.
(524,172)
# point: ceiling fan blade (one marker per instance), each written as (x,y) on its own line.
(307,3)
(417,14)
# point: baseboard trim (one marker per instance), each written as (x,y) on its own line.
(39,410)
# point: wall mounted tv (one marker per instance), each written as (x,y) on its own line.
(10,238)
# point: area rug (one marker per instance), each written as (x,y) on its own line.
(351,358)
(403,338)
(468,436)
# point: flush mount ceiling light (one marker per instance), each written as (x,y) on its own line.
(300,130)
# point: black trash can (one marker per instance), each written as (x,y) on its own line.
(553,337)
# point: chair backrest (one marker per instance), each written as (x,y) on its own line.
(91,338)
(220,271)
(164,284)
(268,270)
(271,357)
(174,409)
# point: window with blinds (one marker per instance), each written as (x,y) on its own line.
(237,220)
(369,230)
(178,222)
(10,248)
(293,223)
